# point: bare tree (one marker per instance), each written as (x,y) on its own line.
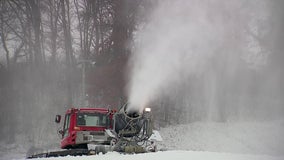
(70,61)
(33,12)
(4,32)
(53,9)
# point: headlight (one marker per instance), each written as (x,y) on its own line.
(147,109)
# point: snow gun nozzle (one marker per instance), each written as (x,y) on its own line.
(130,111)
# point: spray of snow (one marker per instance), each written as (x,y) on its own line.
(179,40)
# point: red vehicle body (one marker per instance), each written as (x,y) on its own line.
(86,125)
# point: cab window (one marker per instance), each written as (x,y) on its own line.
(66,125)
(92,119)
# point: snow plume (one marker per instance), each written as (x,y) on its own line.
(175,43)
(187,38)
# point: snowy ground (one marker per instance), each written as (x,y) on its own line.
(265,138)
(198,141)
(170,155)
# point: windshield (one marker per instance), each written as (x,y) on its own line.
(92,119)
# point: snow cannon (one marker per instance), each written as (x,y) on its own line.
(134,130)
(129,122)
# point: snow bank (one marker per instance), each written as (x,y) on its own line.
(198,141)
(170,155)
(265,138)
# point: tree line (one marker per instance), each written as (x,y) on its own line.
(45,45)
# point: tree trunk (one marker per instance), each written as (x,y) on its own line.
(119,35)
(36,23)
(68,49)
(5,48)
(3,37)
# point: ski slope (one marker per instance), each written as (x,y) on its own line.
(259,138)
(197,141)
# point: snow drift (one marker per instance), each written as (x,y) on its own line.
(200,140)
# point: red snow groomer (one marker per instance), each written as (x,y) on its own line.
(89,131)
(84,126)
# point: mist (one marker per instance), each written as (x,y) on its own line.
(213,58)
